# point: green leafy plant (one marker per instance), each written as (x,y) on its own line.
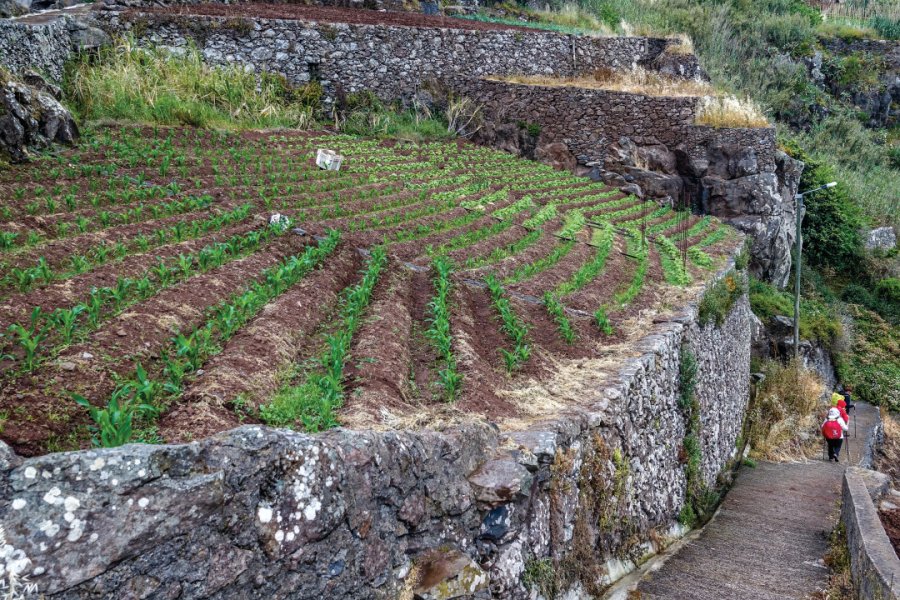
(511,325)
(113,425)
(558,313)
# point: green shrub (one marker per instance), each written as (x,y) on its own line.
(831,226)
(870,366)
(889,289)
(886,27)
(718,300)
(818,320)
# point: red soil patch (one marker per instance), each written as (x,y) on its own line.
(891,521)
(391,374)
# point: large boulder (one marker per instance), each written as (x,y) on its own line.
(882,238)
(755,205)
(14,8)
(31,119)
(556,155)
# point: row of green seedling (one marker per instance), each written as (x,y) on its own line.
(62,326)
(558,313)
(511,325)
(315,401)
(142,396)
(672,262)
(439,331)
(24,279)
(602,239)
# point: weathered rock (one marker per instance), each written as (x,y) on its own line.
(679,64)
(447,574)
(14,8)
(882,238)
(556,155)
(86,37)
(31,119)
(499,481)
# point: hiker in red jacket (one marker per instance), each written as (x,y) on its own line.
(833,431)
(838,402)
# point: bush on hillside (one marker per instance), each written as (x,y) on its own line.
(831,227)
(818,321)
(871,364)
(784,414)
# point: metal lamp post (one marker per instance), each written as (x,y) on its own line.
(798,200)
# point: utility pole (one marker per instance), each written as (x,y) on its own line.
(798,207)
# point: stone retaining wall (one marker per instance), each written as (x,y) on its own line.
(43,47)
(391,61)
(263,513)
(873,561)
(589,121)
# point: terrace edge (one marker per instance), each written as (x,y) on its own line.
(258,512)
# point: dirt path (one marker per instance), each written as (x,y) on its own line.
(769,536)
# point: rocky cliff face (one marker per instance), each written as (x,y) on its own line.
(728,180)
(31,117)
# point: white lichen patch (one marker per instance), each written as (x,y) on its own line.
(53,496)
(264,513)
(76,528)
(143,502)
(30,472)
(312,509)
(19,503)
(48,528)
(71,503)
(98,464)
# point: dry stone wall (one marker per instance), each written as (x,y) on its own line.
(43,47)
(44,43)
(264,513)
(391,61)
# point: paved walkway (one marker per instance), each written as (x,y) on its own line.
(769,537)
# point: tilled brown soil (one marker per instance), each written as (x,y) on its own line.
(332,15)
(391,372)
(891,521)
(252,361)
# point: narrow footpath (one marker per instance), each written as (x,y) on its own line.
(769,536)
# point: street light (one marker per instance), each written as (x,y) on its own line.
(798,200)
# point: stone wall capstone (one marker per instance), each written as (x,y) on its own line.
(391,61)
(874,564)
(264,513)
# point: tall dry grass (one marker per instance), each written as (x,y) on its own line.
(730,111)
(715,108)
(786,413)
(634,81)
(154,85)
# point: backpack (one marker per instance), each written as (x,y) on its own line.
(831,430)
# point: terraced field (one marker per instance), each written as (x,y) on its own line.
(147,292)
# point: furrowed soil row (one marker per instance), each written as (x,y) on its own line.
(248,371)
(471,210)
(138,335)
(381,382)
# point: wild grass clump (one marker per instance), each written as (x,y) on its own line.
(730,111)
(718,300)
(634,81)
(785,413)
(153,85)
